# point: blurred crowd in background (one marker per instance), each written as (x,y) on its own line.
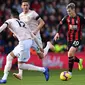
(51,11)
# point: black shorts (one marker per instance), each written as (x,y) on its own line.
(75,44)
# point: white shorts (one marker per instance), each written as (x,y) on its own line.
(35,46)
(22,50)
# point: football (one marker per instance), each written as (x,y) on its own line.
(65,76)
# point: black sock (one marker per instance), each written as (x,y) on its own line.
(71,63)
(76,59)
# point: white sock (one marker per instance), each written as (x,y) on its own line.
(7,66)
(46,49)
(20,72)
(30,67)
(70,73)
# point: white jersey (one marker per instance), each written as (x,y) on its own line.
(17,27)
(30,19)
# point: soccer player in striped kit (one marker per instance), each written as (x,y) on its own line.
(74,24)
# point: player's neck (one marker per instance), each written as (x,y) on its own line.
(74,14)
(15,17)
(25,12)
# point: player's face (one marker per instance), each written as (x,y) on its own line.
(25,7)
(70,12)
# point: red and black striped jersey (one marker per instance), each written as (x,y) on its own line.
(74,26)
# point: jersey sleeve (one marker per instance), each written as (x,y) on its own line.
(35,15)
(63,21)
(8,22)
(3,26)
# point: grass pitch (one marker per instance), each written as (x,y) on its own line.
(37,78)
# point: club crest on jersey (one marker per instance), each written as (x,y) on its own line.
(73,27)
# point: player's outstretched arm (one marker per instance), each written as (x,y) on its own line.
(63,21)
(56,37)
(3,27)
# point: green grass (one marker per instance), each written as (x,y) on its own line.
(37,78)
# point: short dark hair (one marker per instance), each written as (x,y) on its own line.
(71,5)
(14,12)
(24,1)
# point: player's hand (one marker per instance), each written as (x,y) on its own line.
(56,37)
(41,49)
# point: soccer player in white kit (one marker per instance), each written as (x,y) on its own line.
(32,19)
(22,50)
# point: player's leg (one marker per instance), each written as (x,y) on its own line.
(71,54)
(48,46)
(35,68)
(19,74)
(46,49)
(37,49)
(79,61)
(80,64)
(24,57)
(9,59)
(30,67)
(24,66)
(40,54)
(7,68)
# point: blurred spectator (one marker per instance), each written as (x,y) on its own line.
(2,43)
(62,6)
(8,4)
(36,6)
(17,6)
(42,8)
(1,49)
(49,8)
(9,47)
